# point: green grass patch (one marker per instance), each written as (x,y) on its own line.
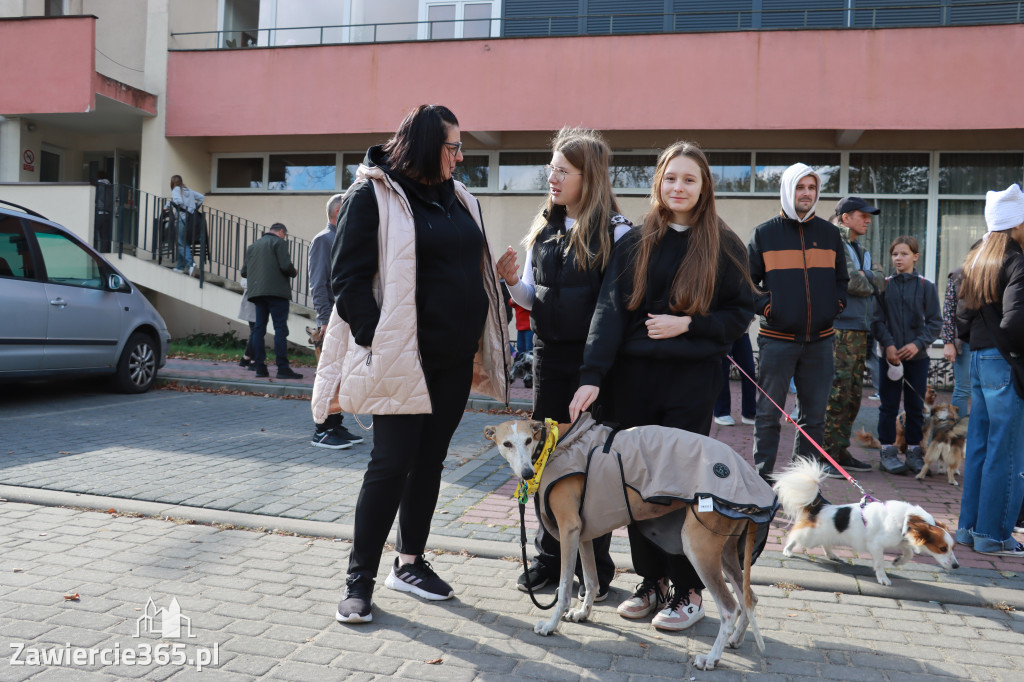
(229,347)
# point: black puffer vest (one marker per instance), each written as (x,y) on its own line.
(565,294)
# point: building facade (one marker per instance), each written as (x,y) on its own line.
(267,106)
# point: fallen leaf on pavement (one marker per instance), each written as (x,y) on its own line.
(433,661)
(71,597)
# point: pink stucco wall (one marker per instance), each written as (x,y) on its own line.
(899,79)
(48,65)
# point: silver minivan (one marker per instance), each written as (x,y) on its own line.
(65,310)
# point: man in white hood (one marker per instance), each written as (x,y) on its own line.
(798,261)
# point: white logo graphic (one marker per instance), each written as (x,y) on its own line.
(170,621)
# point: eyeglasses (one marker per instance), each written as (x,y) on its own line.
(559,173)
(455,147)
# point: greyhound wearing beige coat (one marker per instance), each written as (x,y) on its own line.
(709,538)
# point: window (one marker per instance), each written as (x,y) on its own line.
(771,165)
(302,172)
(523,171)
(474,171)
(239,173)
(349,166)
(961,223)
(730,171)
(15,258)
(631,171)
(897,217)
(55,8)
(889,173)
(66,261)
(284,22)
(976,173)
(458,19)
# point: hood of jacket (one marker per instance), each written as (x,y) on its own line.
(790,177)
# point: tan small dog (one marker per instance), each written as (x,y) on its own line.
(869,440)
(930,396)
(946,437)
(316,339)
(710,541)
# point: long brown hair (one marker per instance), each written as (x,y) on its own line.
(693,286)
(585,149)
(981,270)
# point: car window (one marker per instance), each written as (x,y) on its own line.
(67,262)
(15,258)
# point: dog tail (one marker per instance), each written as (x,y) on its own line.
(798,486)
(866,439)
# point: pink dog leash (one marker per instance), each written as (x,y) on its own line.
(867,498)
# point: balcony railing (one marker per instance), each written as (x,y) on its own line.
(852,17)
(145,227)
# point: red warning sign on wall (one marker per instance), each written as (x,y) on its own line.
(28,158)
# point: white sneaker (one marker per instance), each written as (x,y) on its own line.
(875,397)
(747,420)
(725,420)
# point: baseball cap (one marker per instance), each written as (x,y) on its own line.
(849,204)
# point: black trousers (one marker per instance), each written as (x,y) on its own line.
(556,376)
(680,394)
(403,476)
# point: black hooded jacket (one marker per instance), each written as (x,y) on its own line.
(451,302)
(564,293)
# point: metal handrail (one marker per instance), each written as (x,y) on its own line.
(673,22)
(142,229)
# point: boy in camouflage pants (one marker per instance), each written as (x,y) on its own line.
(853,217)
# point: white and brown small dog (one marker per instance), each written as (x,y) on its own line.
(870,528)
(946,437)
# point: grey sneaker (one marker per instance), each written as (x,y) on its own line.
(915,459)
(889,461)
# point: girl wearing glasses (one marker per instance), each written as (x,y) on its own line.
(567,250)
(676,296)
(419,320)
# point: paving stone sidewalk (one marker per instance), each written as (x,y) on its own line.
(264,605)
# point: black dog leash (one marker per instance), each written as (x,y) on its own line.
(526,568)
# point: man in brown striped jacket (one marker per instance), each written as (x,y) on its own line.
(799,263)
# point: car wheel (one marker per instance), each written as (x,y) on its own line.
(136,370)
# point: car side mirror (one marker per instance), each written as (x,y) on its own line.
(116,282)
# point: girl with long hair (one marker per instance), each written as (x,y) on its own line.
(905,323)
(990,318)
(568,248)
(676,296)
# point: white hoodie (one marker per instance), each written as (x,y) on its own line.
(790,177)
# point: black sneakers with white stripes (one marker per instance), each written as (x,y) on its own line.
(419,579)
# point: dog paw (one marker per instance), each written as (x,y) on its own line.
(703,662)
(735,642)
(576,615)
(543,627)
(787,552)
(884,580)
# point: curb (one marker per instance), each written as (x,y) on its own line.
(810,580)
(273,387)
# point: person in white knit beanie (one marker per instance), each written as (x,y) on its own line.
(990,317)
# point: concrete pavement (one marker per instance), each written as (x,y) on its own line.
(267,598)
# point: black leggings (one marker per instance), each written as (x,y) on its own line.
(404,474)
(680,394)
(556,376)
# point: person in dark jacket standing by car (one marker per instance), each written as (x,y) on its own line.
(799,262)
(268,267)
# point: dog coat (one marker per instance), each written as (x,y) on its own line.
(661,464)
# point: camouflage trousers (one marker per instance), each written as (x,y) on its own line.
(851,348)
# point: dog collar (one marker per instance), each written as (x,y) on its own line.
(530,487)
